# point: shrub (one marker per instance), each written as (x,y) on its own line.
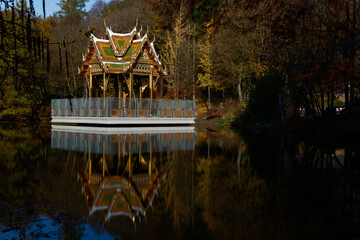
(263,105)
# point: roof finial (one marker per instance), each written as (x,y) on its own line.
(137,23)
(153,40)
(140,29)
(105,24)
(147,30)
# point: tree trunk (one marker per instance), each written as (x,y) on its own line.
(238,163)
(239,84)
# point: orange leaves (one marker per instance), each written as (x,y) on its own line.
(326,76)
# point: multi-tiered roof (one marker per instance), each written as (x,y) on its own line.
(118,195)
(121,53)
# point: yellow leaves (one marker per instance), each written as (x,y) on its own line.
(45,25)
(205,78)
(12,103)
(210,26)
(253,66)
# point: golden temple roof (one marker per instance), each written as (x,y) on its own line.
(121,196)
(121,53)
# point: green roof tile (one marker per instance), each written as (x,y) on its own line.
(121,43)
(116,65)
(108,51)
(130,52)
(107,197)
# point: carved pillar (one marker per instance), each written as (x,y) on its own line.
(104,90)
(151,82)
(150,162)
(119,91)
(151,89)
(90,84)
(131,86)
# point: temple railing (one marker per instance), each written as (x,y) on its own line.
(122,107)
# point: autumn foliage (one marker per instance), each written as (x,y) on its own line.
(211,49)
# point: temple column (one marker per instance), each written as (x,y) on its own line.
(131,85)
(104,90)
(151,82)
(119,92)
(119,87)
(151,89)
(140,95)
(90,84)
(104,94)
(150,162)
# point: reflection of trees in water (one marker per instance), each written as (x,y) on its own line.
(29,202)
(265,188)
(231,193)
(210,195)
(257,188)
(336,177)
(177,191)
(313,187)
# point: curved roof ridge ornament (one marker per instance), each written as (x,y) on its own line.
(105,24)
(135,28)
(109,33)
(154,51)
(139,32)
(153,40)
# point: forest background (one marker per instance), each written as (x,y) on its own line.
(238,54)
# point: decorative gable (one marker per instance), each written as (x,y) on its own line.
(121,53)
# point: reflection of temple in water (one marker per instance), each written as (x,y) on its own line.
(124,170)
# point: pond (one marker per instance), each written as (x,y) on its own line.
(64,182)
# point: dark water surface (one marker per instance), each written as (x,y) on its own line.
(176,183)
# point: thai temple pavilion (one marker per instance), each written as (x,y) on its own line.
(125,56)
(122,72)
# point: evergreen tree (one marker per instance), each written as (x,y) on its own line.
(72,8)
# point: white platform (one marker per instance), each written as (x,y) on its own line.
(124,120)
